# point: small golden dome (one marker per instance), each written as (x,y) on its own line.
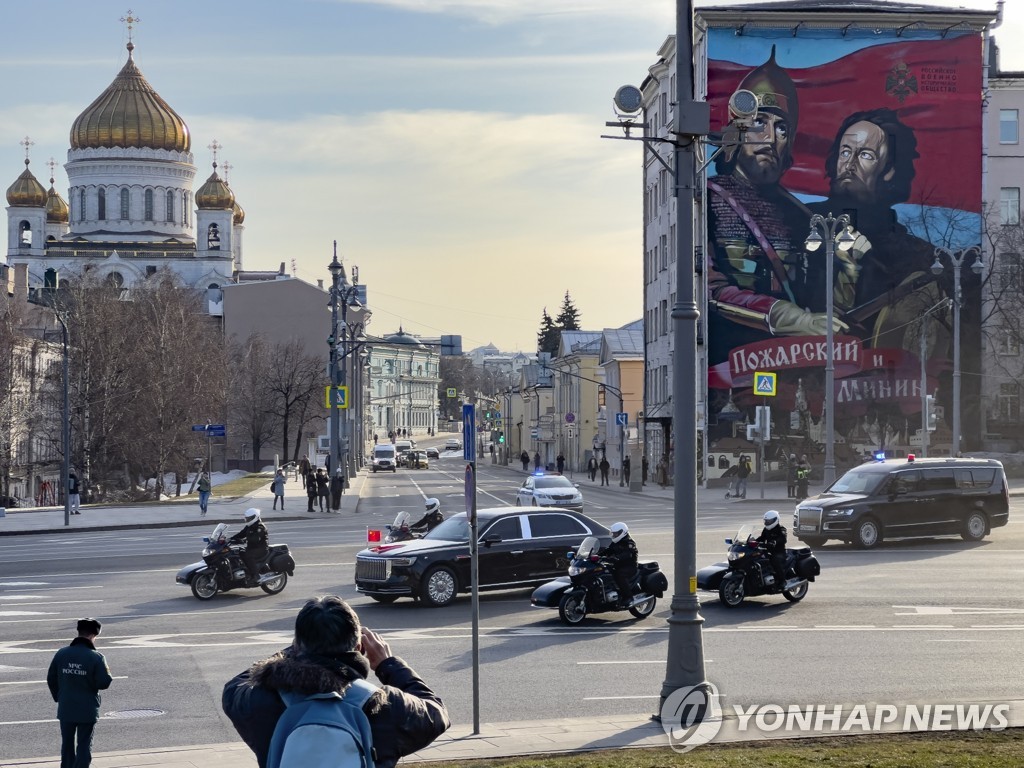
(129,113)
(56,206)
(239,214)
(215,195)
(26,191)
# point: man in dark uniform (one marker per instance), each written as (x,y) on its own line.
(623,552)
(773,539)
(256,539)
(77,674)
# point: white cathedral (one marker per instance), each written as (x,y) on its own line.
(132,210)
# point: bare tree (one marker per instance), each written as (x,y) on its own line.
(252,409)
(294,380)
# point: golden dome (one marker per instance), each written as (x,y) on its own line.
(215,195)
(239,214)
(130,114)
(26,191)
(56,206)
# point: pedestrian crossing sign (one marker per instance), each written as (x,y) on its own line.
(764,384)
(340,396)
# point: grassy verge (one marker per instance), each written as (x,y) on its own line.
(986,749)
(242,485)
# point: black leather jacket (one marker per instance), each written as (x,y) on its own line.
(623,552)
(255,538)
(774,540)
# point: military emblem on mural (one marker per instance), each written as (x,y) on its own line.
(900,82)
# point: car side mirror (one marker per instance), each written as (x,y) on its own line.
(492,539)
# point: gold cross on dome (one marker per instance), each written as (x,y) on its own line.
(227,167)
(213,146)
(27,143)
(53,166)
(130,21)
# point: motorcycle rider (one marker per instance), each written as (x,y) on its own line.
(255,538)
(623,554)
(432,517)
(773,539)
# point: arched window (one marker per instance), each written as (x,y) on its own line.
(25,234)
(169,218)
(124,204)
(723,462)
(115,280)
(148,216)
(101,202)
(213,238)
(81,205)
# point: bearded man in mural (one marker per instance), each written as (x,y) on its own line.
(756,228)
(870,168)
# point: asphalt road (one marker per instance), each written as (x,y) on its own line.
(930,621)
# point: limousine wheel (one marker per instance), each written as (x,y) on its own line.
(867,534)
(975,527)
(439,587)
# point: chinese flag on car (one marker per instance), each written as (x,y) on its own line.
(372,537)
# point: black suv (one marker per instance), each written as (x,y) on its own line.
(898,498)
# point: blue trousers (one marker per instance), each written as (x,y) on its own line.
(70,756)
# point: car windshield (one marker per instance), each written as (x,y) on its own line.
(861,480)
(552,482)
(453,529)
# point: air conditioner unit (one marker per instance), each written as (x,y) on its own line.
(323,443)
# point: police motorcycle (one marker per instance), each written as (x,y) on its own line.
(402,530)
(221,568)
(590,587)
(749,572)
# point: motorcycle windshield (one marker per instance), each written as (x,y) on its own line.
(589,547)
(219,531)
(745,532)
(402,518)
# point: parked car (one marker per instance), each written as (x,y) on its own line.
(549,491)
(897,498)
(518,548)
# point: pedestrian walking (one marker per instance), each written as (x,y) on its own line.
(525,458)
(204,492)
(663,471)
(592,468)
(625,469)
(604,466)
(536,461)
(311,491)
(338,483)
(323,488)
(742,473)
(374,438)
(333,653)
(77,674)
(791,477)
(560,463)
(644,467)
(277,486)
(74,498)
(304,466)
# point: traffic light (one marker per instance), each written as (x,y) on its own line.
(501,438)
(929,412)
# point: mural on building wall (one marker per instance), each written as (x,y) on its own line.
(887,130)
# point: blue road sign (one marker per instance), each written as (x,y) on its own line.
(622,419)
(468,431)
(211,430)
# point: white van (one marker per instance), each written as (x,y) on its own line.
(385,457)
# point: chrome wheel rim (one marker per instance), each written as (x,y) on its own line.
(575,609)
(645,607)
(274,585)
(441,587)
(868,534)
(206,585)
(734,592)
(799,592)
(976,526)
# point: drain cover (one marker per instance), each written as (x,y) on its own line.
(126,714)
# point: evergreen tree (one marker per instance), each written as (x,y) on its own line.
(568,316)
(548,336)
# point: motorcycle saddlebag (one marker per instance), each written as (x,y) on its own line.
(653,581)
(807,567)
(282,562)
(550,595)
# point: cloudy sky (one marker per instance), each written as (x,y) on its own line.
(451,147)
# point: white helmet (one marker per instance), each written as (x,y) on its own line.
(619,530)
(432,505)
(252,515)
(771,519)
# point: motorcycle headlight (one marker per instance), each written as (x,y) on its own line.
(846,512)
(402,562)
(575,570)
(737,555)
(207,552)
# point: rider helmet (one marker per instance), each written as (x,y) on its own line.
(619,530)
(432,505)
(771,519)
(252,515)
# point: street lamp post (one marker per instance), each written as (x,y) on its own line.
(957,261)
(834,232)
(336,270)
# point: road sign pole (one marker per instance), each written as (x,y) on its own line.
(468,428)
(761,423)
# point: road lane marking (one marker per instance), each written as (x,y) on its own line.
(43,682)
(54,602)
(606,698)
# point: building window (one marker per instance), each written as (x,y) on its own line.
(1009,206)
(1007,342)
(1010,274)
(101,202)
(663,251)
(81,205)
(663,320)
(1009,402)
(124,205)
(149,205)
(1008,126)
(25,241)
(169,217)
(213,237)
